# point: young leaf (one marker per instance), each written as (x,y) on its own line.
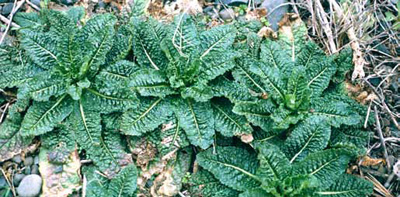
(348,185)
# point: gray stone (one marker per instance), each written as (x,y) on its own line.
(35,169)
(27,170)
(28,161)
(17,159)
(18,178)
(7,8)
(4,1)
(3,181)
(227,14)
(101,4)
(30,186)
(36,2)
(275,11)
(36,160)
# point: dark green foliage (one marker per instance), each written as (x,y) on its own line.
(186,89)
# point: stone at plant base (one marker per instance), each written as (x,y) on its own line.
(28,161)
(17,159)
(18,178)
(227,14)
(7,8)
(36,2)
(275,15)
(2,181)
(36,160)
(27,170)
(30,186)
(35,169)
(4,1)
(68,2)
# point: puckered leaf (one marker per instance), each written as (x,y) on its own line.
(335,112)
(228,123)
(235,172)
(223,87)
(350,136)
(205,184)
(147,43)
(271,55)
(124,183)
(109,100)
(149,82)
(43,86)
(27,19)
(217,39)
(256,192)
(41,48)
(185,38)
(319,75)
(42,117)
(217,64)
(258,113)
(11,141)
(200,92)
(310,136)
(271,78)
(347,185)
(244,76)
(97,47)
(148,116)
(325,165)
(197,120)
(121,46)
(274,166)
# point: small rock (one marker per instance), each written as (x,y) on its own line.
(17,159)
(274,13)
(18,178)
(68,2)
(27,170)
(7,8)
(227,14)
(35,169)
(36,2)
(4,1)
(36,160)
(30,186)
(101,4)
(2,181)
(28,161)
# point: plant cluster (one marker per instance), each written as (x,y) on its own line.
(183,88)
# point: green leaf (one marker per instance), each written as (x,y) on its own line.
(27,19)
(147,43)
(42,117)
(217,39)
(223,87)
(274,166)
(197,120)
(43,86)
(271,55)
(325,165)
(185,38)
(319,75)
(41,48)
(348,185)
(258,113)
(203,183)
(257,192)
(335,112)
(149,82)
(124,183)
(244,76)
(200,92)
(109,100)
(148,116)
(271,78)
(350,136)
(228,123)
(310,136)
(235,172)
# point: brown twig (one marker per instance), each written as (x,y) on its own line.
(379,129)
(6,21)
(33,5)
(325,26)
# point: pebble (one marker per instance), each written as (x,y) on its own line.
(28,161)
(35,169)
(30,186)
(7,8)
(36,160)
(227,14)
(4,1)
(277,14)
(27,170)
(17,159)
(101,4)
(2,181)
(18,178)
(36,2)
